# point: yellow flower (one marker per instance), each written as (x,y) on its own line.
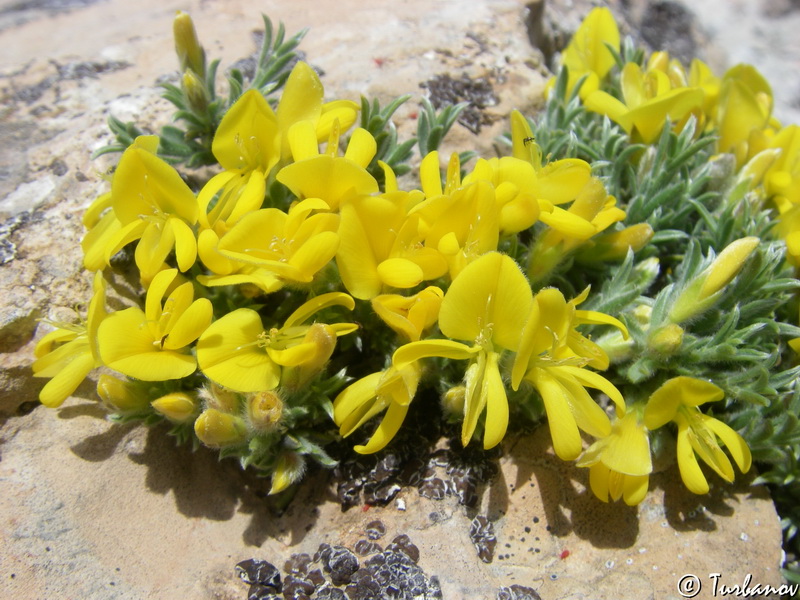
(382,246)
(649,100)
(153,205)
(270,248)
(592,212)
(620,463)
(460,221)
(552,355)
(391,390)
(587,53)
(329,177)
(152,344)
(486,305)
(238,353)
(252,139)
(69,353)
(698,434)
(745,107)
(409,316)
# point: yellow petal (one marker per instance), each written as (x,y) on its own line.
(190,324)
(228,355)
(491,292)
(733,441)
(563,429)
(691,473)
(361,147)
(430,176)
(388,428)
(629,450)
(353,396)
(316,304)
(414,351)
(67,380)
(247,137)
(400,273)
(496,404)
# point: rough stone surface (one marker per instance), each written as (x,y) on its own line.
(94,510)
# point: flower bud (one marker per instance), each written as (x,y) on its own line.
(289,468)
(190,53)
(727,265)
(223,399)
(453,400)
(195,92)
(121,396)
(614,246)
(178,407)
(216,429)
(264,410)
(666,340)
(703,291)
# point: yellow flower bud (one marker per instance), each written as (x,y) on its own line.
(216,429)
(704,290)
(178,407)
(121,396)
(727,265)
(453,400)
(264,410)
(190,53)
(195,91)
(288,469)
(666,340)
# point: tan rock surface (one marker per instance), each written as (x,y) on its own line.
(91,510)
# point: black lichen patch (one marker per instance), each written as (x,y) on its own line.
(444,90)
(334,573)
(411,460)
(259,571)
(517,592)
(375,530)
(481,532)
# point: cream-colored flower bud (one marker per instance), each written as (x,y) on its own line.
(264,410)
(121,396)
(216,429)
(190,53)
(178,407)
(223,399)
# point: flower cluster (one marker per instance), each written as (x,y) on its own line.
(616,286)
